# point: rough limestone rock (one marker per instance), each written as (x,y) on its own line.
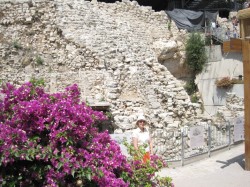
(171,54)
(165,50)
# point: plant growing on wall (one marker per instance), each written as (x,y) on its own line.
(169,25)
(195,58)
(190,87)
(17,45)
(39,60)
(195,53)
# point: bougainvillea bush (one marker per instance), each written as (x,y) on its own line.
(51,140)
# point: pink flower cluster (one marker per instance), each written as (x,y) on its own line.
(51,139)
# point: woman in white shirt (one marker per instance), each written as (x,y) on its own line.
(142,137)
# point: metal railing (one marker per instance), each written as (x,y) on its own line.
(198,139)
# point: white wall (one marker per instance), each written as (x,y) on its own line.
(219,65)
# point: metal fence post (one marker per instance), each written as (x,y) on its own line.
(209,140)
(182,147)
(229,135)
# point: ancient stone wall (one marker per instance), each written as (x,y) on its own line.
(118,53)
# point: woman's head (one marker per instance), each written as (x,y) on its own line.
(141,121)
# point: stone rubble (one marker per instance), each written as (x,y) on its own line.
(234,108)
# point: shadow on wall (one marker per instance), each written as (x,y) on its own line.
(221,95)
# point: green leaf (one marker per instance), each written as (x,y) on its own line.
(101,174)
(60,164)
(28,158)
(73,173)
(88,176)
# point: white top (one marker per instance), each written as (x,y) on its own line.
(213,25)
(142,137)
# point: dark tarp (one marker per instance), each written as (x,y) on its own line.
(191,20)
(211,16)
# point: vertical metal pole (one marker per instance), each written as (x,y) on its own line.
(229,135)
(209,140)
(182,147)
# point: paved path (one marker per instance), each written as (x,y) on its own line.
(225,169)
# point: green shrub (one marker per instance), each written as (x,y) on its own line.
(195,53)
(195,59)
